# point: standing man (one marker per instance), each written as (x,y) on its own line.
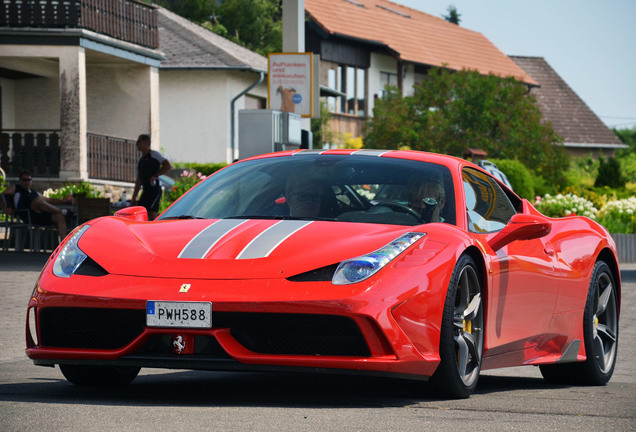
(151,165)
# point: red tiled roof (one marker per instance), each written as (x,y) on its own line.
(415,36)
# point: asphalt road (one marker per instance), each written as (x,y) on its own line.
(38,398)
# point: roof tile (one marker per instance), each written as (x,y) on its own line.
(570,116)
(188,45)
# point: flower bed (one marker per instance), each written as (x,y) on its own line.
(565,205)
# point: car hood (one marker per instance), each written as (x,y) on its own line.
(229,248)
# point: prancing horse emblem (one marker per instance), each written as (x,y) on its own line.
(178,344)
(184,288)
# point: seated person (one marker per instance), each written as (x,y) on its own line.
(303,195)
(42,210)
(428,198)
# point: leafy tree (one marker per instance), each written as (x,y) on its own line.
(609,174)
(321,132)
(254,24)
(198,11)
(518,175)
(453,16)
(627,136)
(452,111)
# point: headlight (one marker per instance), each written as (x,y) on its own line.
(363,267)
(71,256)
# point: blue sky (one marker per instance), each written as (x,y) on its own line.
(591,44)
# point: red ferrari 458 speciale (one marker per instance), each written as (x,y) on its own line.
(398,263)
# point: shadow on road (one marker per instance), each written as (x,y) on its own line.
(199,388)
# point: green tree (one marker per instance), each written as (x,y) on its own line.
(198,11)
(452,111)
(320,127)
(628,137)
(254,24)
(518,175)
(453,16)
(609,174)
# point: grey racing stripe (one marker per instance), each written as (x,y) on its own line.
(201,244)
(265,243)
(365,152)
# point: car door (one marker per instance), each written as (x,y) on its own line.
(524,284)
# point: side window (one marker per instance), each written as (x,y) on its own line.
(488,207)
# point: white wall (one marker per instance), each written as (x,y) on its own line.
(118,98)
(379,63)
(37,107)
(195,112)
(408,80)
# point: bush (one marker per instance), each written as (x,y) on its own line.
(582,171)
(78,190)
(519,177)
(203,169)
(183,184)
(609,174)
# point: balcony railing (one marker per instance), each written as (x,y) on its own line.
(109,158)
(126,20)
(35,151)
(112,158)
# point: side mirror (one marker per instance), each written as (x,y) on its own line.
(521,227)
(136,213)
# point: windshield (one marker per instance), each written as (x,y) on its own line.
(311,186)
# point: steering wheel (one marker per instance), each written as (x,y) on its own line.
(401,208)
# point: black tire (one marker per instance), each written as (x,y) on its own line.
(462,337)
(99,376)
(600,333)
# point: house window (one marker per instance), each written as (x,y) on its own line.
(351,81)
(387,79)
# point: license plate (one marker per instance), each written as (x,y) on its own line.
(179,314)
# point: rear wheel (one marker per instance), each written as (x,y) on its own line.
(600,333)
(462,337)
(99,376)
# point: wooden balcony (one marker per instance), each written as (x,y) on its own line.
(127,20)
(109,158)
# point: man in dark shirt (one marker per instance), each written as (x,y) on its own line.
(42,210)
(151,165)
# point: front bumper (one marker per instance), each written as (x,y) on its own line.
(353,335)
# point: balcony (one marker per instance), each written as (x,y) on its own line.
(109,158)
(126,20)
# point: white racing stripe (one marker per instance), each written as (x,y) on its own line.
(201,244)
(264,244)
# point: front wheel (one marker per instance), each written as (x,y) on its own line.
(99,376)
(600,333)
(462,336)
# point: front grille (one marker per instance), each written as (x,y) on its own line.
(91,328)
(263,333)
(295,334)
(162,344)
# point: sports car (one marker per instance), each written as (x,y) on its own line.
(403,264)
